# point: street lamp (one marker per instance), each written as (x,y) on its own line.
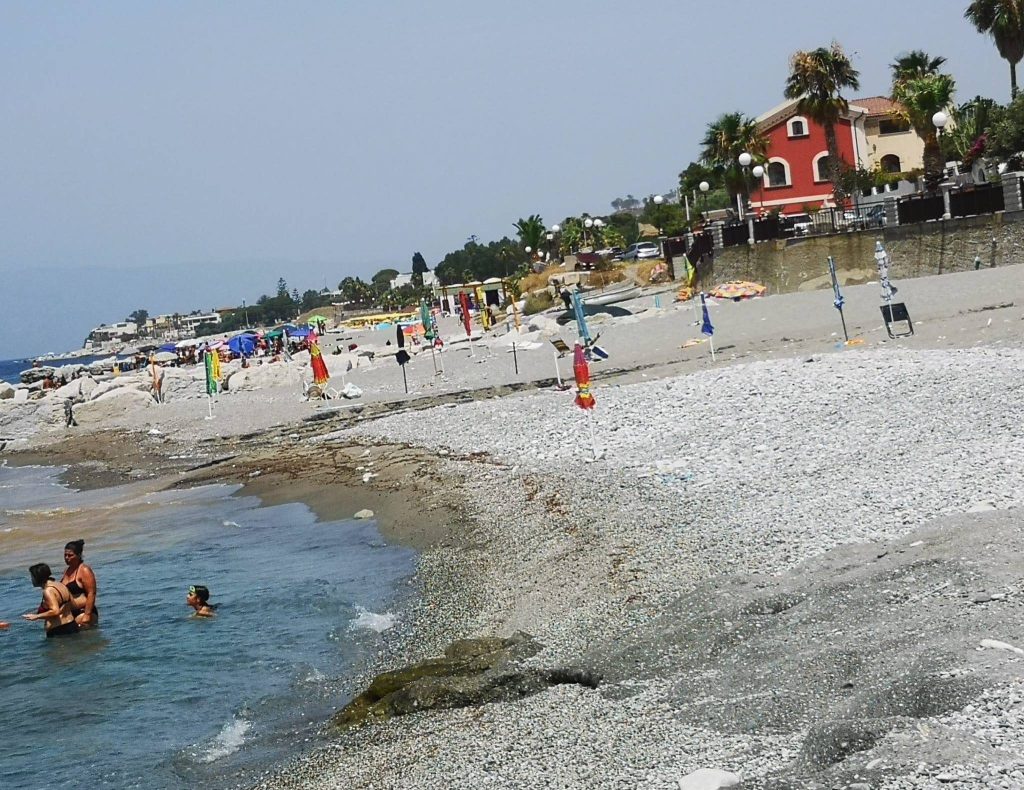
(758,173)
(658,200)
(939,120)
(246,311)
(704,186)
(744,159)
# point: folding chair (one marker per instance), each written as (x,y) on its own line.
(561,347)
(895,313)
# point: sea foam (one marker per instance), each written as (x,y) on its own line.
(228,741)
(373,621)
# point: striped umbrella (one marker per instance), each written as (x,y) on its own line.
(581,370)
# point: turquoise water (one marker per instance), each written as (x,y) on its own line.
(155,698)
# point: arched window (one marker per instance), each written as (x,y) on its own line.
(819,166)
(891,164)
(797,126)
(778,173)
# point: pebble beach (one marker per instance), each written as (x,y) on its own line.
(694,486)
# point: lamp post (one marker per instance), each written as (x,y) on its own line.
(704,186)
(744,159)
(758,173)
(939,120)
(588,223)
(246,311)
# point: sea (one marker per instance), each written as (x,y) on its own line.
(156,698)
(10,369)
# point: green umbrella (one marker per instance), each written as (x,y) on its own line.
(428,331)
(316,319)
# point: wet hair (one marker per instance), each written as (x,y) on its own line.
(76,546)
(200,592)
(40,573)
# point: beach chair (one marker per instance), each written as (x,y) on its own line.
(561,347)
(897,313)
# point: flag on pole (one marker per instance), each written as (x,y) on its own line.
(581,370)
(705,326)
(466,320)
(316,362)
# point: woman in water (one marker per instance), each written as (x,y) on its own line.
(81,583)
(55,607)
(199,599)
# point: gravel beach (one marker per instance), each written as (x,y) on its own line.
(799,564)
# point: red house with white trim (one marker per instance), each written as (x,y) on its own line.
(796,173)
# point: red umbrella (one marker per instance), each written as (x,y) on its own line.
(316,361)
(466,320)
(581,370)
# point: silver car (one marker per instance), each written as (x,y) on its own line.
(640,251)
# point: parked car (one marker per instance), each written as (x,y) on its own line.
(800,224)
(587,260)
(609,252)
(640,251)
(874,217)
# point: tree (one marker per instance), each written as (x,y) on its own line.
(384,277)
(282,287)
(139,317)
(1004,21)
(817,79)
(966,137)
(725,139)
(1006,140)
(419,268)
(530,231)
(921,90)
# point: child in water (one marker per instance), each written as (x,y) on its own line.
(198,598)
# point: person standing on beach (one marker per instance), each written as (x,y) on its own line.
(69,414)
(199,599)
(55,607)
(81,583)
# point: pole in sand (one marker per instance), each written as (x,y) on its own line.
(837,300)
(706,327)
(515,358)
(584,397)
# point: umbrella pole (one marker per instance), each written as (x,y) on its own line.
(515,358)
(711,341)
(209,403)
(846,335)
(405,381)
(590,429)
(558,373)
(433,356)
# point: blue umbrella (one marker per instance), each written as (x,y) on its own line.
(581,321)
(837,300)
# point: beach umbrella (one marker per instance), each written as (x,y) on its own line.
(837,300)
(464,307)
(212,362)
(316,319)
(584,398)
(428,329)
(485,314)
(316,362)
(705,325)
(737,289)
(581,321)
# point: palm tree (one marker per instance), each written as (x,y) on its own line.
(916,63)
(817,78)
(530,230)
(1004,21)
(725,139)
(920,93)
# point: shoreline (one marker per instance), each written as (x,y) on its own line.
(591,557)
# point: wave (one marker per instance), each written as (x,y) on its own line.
(228,741)
(372,621)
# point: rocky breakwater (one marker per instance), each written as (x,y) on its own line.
(472,672)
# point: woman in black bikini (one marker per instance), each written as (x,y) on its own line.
(81,583)
(55,607)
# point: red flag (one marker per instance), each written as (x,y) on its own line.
(466,320)
(581,370)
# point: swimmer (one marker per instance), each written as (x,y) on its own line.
(81,583)
(55,608)
(198,598)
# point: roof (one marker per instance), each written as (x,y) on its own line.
(877,105)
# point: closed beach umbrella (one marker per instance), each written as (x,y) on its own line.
(466,320)
(316,361)
(581,371)
(581,320)
(212,372)
(425,319)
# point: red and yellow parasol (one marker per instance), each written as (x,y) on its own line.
(581,370)
(316,361)
(466,318)
(737,290)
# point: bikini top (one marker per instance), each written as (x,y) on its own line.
(75,588)
(44,608)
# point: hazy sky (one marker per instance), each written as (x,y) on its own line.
(182,155)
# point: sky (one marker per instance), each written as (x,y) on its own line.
(175,156)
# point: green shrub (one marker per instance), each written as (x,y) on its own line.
(537,302)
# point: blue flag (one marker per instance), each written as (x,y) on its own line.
(705,326)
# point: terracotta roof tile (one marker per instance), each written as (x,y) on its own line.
(876,105)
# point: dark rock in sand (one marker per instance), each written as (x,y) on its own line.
(472,672)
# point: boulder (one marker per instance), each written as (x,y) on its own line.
(78,388)
(364,513)
(708,779)
(351,391)
(255,377)
(118,383)
(21,395)
(472,672)
(112,404)
(182,383)
(6,391)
